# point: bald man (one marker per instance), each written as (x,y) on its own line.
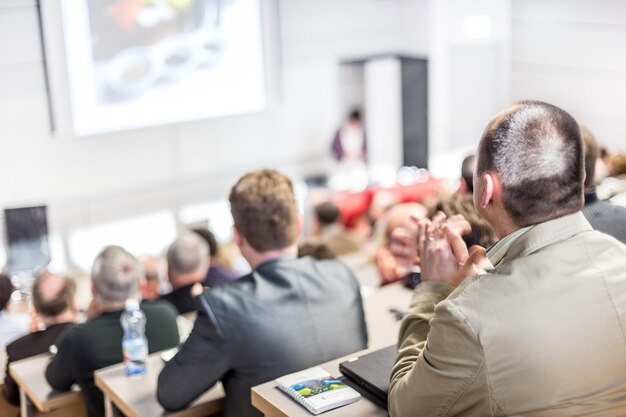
(55,308)
(542,332)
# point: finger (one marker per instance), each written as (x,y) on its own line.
(422,230)
(459,224)
(403,236)
(415,219)
(438,219)
(459,248)
(476,256)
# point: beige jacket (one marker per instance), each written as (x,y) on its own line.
(543,334)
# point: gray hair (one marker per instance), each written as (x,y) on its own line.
(116,275)
(187,254)
(536,150)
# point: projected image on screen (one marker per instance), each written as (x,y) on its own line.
(139,63)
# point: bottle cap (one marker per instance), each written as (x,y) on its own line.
(132,304)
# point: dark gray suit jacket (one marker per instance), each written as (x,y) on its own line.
(287,315)
(605,217)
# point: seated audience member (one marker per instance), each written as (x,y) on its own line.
(187,265)
(151,285)
(603,216)
(288,314)
(315,250)
(398,216)
(481,233)
(97,343)
(467,173)
(218,272)
(55,308)
(328,230)
(12,325)
(516,340)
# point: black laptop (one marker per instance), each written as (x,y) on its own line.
(371,372)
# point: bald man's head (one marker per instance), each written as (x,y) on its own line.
(536,152)
(53,295)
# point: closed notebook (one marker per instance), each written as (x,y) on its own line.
(317,390)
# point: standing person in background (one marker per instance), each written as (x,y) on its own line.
(55,307)
(350,142)
(12,325)
(97,343)
(349,149)
(288,314)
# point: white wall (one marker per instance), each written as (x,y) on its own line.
(572,54)
(104,178)
(469,77)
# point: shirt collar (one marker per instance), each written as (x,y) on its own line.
(498,250)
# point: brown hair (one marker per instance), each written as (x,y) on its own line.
(327,213)
(536,152)
(481,234)
(263,206)
(59,302)
(6,289)
(617,164)
(591,155)
(315,250)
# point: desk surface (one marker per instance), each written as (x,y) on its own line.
(382,324)
(272,402)
(136,396)
(29,374)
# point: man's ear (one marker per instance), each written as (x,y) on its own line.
(237,237)
(491,186)
(298,225)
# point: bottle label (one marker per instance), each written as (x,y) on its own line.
(135,353)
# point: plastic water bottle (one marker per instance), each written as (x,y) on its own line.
(134,342)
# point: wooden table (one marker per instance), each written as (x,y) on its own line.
(29,374)
(136,396)
(272,402)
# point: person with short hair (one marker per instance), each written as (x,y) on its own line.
(12,325)
(97,343)
(54,305)
(329,231)
(467,173)
(219,272)
(288,314)
(542,332)
(187,265)
(605,217)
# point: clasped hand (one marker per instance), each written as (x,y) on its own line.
(438,248)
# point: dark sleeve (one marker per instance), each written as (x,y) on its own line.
(10,391)
(59,372)
(201,362)
(161,328)
(336,147)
